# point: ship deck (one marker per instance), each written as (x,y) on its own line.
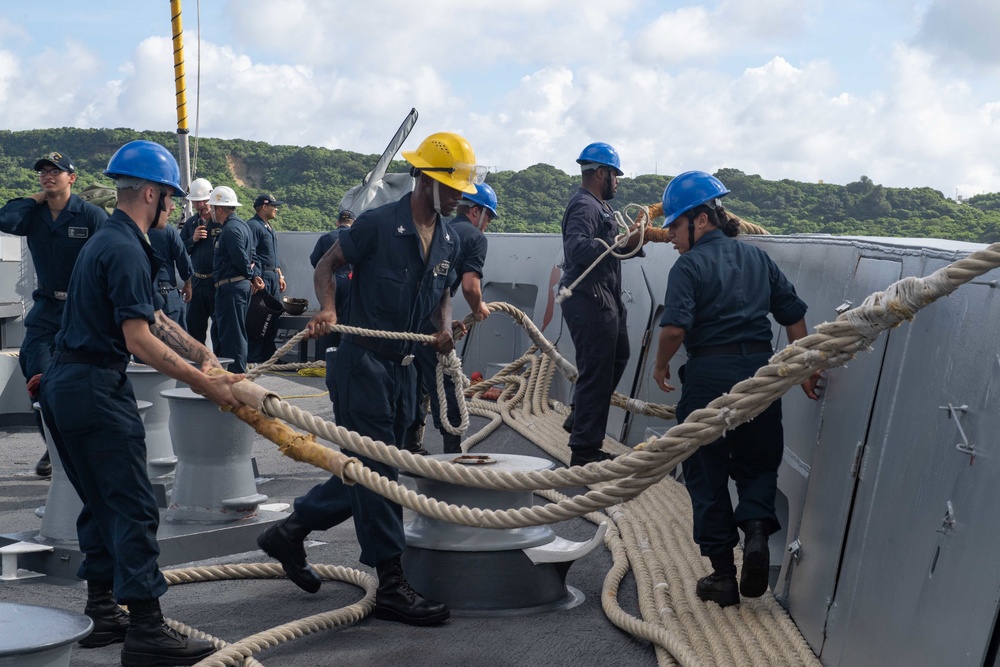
(232,610)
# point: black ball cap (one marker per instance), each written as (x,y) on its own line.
(57,160)
(261,200)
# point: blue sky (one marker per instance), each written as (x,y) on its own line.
(905,92)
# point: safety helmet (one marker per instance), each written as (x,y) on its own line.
(200,190)
(690,189)
(146,160)
(484,197)
(603,154)
(223,195)
(449,159)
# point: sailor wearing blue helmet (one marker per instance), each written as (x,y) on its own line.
(719,295)
(97,431)
(595,313)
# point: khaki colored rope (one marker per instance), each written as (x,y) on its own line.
(758,632)
(241,652)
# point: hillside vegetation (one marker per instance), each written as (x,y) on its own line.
(313,180)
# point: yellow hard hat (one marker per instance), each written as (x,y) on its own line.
(448,158)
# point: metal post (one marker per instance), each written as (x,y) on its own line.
(180,91)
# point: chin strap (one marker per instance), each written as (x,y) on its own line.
(437,198)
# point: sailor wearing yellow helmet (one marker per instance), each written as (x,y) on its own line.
(403,256)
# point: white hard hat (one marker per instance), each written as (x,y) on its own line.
(223,196)
(199,190)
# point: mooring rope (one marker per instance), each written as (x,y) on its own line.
(757,632)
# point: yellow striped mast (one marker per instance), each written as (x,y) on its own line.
(180,91)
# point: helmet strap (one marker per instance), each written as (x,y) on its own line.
(690,232)
(482,215)
(607,185)
(160,208)
(437,196)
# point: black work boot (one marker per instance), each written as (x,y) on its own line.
(395,600)
(452,443)
(720,586)
(151,642)
(110,620)
(581,456)
(413,440)
(284,543)
(568,422)
(44,466)
(756,559)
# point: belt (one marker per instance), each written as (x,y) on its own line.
(378,346)
(272,269)
(744,349)
(90,358)
(227,281)
(203,276)
(54,294)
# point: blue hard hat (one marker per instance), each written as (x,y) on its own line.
(147,160)
(601,153)
(690,189)
(484,197)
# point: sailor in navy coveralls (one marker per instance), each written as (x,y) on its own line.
(89,405)
(719,295)
(232,269)
(595,313)
(266,265)
(199,234)
(403,256)
(56,224)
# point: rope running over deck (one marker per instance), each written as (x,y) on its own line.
(673,619)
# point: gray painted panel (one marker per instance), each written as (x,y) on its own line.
(910,593)
(846,409)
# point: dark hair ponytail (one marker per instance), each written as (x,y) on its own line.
(718,216)
(731,226)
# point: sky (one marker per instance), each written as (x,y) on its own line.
(904,92)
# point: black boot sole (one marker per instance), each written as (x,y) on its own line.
(384,614)
(306,583)
(136,659)
(99,639)
(723,599)
(756,567)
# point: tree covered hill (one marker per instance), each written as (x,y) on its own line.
(313,180)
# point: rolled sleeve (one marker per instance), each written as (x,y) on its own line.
(130,291)
(786,306)
(359,241)
(680,301)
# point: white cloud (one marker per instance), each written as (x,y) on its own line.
(700,86)
(961,30)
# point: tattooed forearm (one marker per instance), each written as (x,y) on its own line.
(178,340)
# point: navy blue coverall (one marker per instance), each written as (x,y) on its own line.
(720,293)
(231,270)
(202,304)
(265,260)
(168,246)
(342,277)
(89,405)
(595,315)
(394,289)
(471,258)
(54,246)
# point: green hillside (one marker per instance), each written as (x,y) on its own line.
(313,180)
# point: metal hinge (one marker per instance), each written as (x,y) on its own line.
(859,453)
(795,549)
(965,446)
